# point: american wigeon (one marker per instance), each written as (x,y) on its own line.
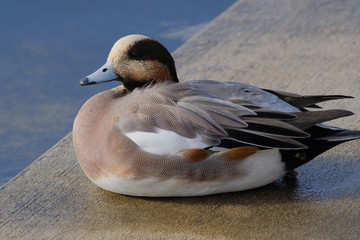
(154,136)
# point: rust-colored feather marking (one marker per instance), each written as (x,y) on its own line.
(238,154)
(195,154)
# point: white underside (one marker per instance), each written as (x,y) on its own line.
(260,169)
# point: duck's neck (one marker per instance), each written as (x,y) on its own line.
(131,84)
(173,73)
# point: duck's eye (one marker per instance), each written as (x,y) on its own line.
(136,54)
(104,69)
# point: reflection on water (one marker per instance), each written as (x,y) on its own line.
(46,47)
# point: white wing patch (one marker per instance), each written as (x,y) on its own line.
(164,142)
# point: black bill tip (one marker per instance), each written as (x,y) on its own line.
(85,82)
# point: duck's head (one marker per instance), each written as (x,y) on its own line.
(135,61)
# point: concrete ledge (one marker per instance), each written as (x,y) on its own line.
(301,46)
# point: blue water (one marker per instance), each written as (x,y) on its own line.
(46,47)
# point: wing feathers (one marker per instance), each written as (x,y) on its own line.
(274,127)
(307,119)
(190,112)
(227,119)
(200,118)
(244,137)
(300,101)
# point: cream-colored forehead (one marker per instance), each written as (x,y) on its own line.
(123,44)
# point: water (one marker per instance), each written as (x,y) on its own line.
(46,47)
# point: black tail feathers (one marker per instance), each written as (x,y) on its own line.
(322,139)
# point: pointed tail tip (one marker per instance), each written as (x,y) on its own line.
(343,135)
(335,97)
(339,113)
(346,96)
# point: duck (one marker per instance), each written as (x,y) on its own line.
(154,136)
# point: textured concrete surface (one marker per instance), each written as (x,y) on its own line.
(302,46)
